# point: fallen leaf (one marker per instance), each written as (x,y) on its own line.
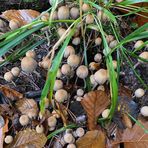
(94,103)
(134,137)
(22,16)
(28,137)
(92,139)
(27,106)
(10,93)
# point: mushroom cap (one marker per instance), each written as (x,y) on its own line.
(98,57)
(82,72)
(143,55)
(52,121)
(58,85)
(14,24)
(144,111)
(39,129)
(89,19)
(55,114)
(69,50)
(8,139)
(102,16)
(61,31)
(94,66)
(55,15)
(66,69)
(114,64)
(28,64)
(80,92)
(68,138)
(80,132)
(8,76)
(138,44)
(79,98)
(105,113)
(31,54)
(76,41)
(92,80)
(73,60)
(101,76)
(15,71)
(45,63)
(139,93)
(98,41)
(24,120)
(109,38)
(61,95)
(85,7)
(63,13)
(74,12)
(113,44)
(71,145)
(101,87)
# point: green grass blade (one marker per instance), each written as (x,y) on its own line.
(130,2)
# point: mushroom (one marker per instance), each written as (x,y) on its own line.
(85,7)
(39,129)
(55,114)
(15,71)
(109,38)
(105,113)
(93,66)
(63,13)
(76,41)
(69,50)
(59,73)
(68,138)
(80,92)
(52,121)
(55,15)
(71,145)
(45,63)
(28,64)
(143,55)
(61,95)
(14,24)
(101,76)
(74,12)
(101,87)
(98,41)
(93,81)
(139,93)
(8,76)
(89,19)
(138,44)
(102,16)
(31,54)
(45,17)
(8,139)
(82,72)
(58,85)
(66,69)
(73,60)
(61,31)
(24,120)
(113,44)
(98,57)
(80,132)
(144,111)
(79,99)
(115,64)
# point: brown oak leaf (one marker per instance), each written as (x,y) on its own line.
(134,137)
(10,93)
(94,103)
(28,138)
(92,139)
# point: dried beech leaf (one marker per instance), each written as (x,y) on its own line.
(94,103)
(92,139)
(134,137)
(27,106)
(10,93)
(22,16)
(28,137)
(123,91)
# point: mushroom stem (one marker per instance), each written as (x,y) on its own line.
(136,65)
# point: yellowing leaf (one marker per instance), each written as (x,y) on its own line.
(92,139)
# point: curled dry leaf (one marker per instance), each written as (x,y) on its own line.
(94,103)
(27,106)
(92,139)
(10,93)
(28,137)
(22,16)
(134,137)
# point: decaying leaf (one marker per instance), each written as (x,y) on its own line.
(94,103)
(10,93)
(92,139)
(134,137)
(22,16)
(28,137)
(28,107)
